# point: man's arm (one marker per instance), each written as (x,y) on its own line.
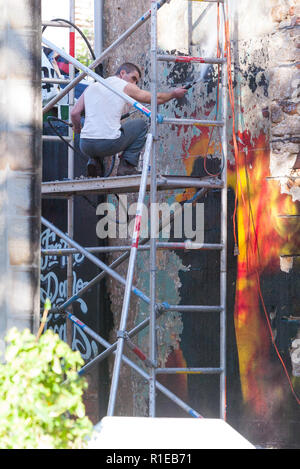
(76,114)
(145,97)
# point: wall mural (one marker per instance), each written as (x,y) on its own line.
(261,294)
(265,296)
(263,237)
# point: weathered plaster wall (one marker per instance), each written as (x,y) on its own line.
(265,55)
(285,96)
(20,168)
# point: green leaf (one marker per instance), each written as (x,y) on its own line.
(47,304)
(39,408)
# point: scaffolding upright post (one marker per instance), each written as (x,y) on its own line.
(98,27)
(223,241)
(153,196)
(70,202)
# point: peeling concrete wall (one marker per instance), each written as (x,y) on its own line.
(265,67)
(285,96)
(20,167)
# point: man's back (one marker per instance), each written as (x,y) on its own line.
(103,110)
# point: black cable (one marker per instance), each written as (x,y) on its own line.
(79,31)
(51,118)
(99,68)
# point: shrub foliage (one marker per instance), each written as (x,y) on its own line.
(41,394)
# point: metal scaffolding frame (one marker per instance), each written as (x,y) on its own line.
(149,180)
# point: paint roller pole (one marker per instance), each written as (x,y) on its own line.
(129,278)
(116,43)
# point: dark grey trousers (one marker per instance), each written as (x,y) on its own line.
(131,141)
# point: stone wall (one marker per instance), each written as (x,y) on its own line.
(285,96)
(20,166)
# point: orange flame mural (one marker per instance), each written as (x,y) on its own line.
(262,237)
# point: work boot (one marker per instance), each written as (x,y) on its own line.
(94,168)
(126,169)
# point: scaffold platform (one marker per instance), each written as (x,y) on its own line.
(123,184)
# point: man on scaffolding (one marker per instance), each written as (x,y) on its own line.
(103,134)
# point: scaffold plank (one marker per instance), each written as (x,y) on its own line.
(122,184)
(195,370)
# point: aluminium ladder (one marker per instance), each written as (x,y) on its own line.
(221,370)
(155,309)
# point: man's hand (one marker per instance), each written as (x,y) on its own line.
(145,96)
(76,114)
(179,93)
(76,129)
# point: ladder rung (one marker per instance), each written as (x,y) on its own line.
(187,245)
(207,371)
(59,81)
(188,59)
(193,308)
(54,138)
(207,1)
(189,181)
(212,123)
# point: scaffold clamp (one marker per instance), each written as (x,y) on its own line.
(122,335)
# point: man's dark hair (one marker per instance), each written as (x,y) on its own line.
(129,67)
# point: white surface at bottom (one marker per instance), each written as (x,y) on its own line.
(166,433)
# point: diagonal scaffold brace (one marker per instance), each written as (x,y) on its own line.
(122,258)
(129,278)
(145,17)
(183,405)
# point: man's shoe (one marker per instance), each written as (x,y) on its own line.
(94,168)
(126,169)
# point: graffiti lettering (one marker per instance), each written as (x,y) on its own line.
(48,241)
(57,291)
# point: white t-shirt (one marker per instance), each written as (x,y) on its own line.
(103,109)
